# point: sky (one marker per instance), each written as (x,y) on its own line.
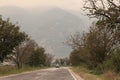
(66,4)
(38,13)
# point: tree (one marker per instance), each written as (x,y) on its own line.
(65,61)
(23,52)
(49,59)
(99,45)
(57,61)
(79,53)
(10,37)
(38,57)
(76,40)
(93,47)
(107,13)
(62,61)
(108,10)
(75,58)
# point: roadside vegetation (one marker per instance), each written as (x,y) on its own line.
(19,50)
(8,70)
(87,74)
(98,50)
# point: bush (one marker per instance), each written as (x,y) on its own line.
(116,60)
(99,69)
(107,65)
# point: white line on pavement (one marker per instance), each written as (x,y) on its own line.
(75,76)
(72,74)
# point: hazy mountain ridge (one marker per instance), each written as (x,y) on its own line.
(50,26)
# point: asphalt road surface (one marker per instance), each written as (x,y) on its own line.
(46,74)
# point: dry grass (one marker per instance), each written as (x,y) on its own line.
(85,74)
(7,70)
(110,75)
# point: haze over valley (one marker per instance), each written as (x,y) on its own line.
(48,26)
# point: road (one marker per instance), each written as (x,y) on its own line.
(46,74)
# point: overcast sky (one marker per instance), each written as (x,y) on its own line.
(66,4)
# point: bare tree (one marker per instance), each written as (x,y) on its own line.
(76,40)
(49,59)
(23,52)
(104,9)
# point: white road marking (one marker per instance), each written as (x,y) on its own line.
(75,76)
(72,74)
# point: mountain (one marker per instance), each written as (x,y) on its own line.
(49,27)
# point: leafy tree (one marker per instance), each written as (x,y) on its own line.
(38,57)
(99,44)
(107,13)
(75,58)
(10,37)
(93,47)
(64,61)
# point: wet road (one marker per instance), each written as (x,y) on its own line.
(46,74)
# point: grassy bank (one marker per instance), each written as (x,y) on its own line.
(87,75)
(8,70)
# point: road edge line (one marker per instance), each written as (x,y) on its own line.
(74,75)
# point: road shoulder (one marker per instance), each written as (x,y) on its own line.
(22,73)
(74,75)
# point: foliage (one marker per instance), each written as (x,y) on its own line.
(8,70)
(86,74)
(64,61)
(116,60)
(48,60)
(75,58)
(107,13)
(98,47)
(95,46)
(107,10)
(10,37)
(38,57)
(23,52)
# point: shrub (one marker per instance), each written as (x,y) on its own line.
(116,60)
